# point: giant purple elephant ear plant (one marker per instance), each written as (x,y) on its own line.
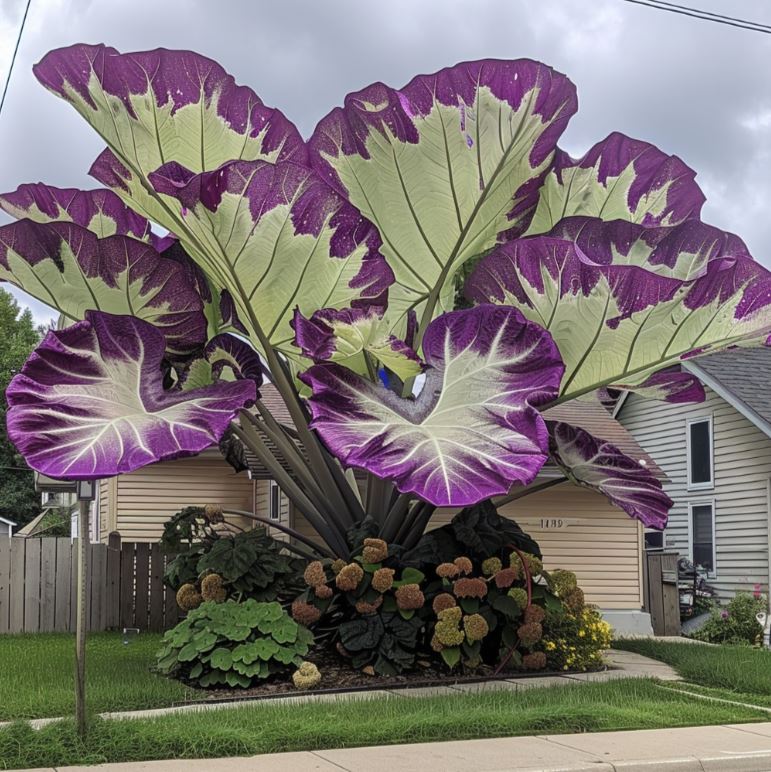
(331,267)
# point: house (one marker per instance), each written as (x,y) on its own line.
(137,504)
(6,527)
(716,456)
(580,530)
(576,528)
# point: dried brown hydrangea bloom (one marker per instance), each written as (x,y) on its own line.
(315,574)
(561,582)
(337,566)
(409,597)
(213,513)
(362,607)
(375,551)
(213,588)
(575,600)
(530,633)
(322,591)
(447,570)
(349,577)
(436,644)
(505,578)
(305,613)
(469,588)
(383,579)
(534,614)
(443,601)
(464,564)
(519,595)
(306,676)
(534,661)
(188,597)
(491,566)
(476,627)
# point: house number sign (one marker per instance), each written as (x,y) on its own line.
(550,523)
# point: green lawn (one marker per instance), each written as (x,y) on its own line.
(738,669)
(39,683)
(269,728)
(36,676)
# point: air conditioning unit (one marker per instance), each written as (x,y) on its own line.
(45,484)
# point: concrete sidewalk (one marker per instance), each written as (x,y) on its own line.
(745,747)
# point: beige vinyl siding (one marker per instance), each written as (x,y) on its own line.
(144,500)
(742,467)
(138,504)
(600,543)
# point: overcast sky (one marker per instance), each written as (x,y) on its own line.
(695,89)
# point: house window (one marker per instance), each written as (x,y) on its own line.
(274,501)
(702,532)
(700,462)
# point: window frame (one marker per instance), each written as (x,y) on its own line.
(710,502)
(274,513)
(709,484)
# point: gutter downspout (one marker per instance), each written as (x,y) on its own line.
(767,625)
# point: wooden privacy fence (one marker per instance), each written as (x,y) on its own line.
(661,593)
(125,586)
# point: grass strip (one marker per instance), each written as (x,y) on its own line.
(272,728)
(738,669)
(37,676)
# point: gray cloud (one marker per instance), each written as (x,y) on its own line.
(696,89)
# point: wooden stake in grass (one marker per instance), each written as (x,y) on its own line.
(85,497)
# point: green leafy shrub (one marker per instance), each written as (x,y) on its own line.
(252,564)
(574,641)
(233,644)
(735,623)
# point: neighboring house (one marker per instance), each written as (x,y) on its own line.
(6,527)
(717,458)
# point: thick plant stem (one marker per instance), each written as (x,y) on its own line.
(418,526)
(319,548)
(299,467)
(395,518)
(528,490)
(326,530)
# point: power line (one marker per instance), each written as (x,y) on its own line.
(696,13)
(13,57)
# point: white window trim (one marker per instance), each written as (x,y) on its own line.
(701,503)
(702,486)
(274,486)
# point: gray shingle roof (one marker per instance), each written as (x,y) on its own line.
(745,373)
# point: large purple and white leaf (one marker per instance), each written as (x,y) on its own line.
(672,384)
(68,268)
(351,337)
(225,358)
(472,432)
(446,166)
(90,403)
(279,238)
(596,464)
(617,304)
(99,211)
(618,179)
(151,107)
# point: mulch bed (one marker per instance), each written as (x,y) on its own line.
(338,676)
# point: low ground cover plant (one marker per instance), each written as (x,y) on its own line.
(233,644)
